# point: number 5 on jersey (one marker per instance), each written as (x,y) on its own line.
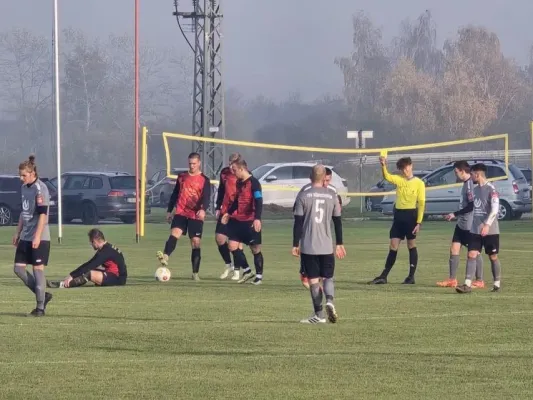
(319,209)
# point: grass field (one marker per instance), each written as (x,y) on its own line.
(220,340)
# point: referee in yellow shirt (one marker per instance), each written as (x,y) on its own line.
(408,215)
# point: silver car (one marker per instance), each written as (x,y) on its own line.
(515,195)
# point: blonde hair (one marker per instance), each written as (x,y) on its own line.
(29,165)
(318,173)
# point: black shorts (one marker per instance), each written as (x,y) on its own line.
(302,268)
(221,229)
(243,232)
(491,243)
(461,236)
(26,254)
(113,280)
(318,266)
(195,227)
(403,224)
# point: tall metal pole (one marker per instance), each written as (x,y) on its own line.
(208,88)
(136,129)
(58,125)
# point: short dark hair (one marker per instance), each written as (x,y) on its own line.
(241,163)
(329,171)
(194,155)
(479,167)
(462,165)
(96,234)
(403,162)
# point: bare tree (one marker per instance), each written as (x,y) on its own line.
(366,68)
(410,99)
(418,41)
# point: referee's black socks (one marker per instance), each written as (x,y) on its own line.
(413,261)
(389,263)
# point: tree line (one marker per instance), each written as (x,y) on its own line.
(407,91)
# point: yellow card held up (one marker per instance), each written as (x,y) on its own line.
(383,153)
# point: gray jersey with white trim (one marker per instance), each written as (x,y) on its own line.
(317,205)
(464,221)
(486,208)
(33,196)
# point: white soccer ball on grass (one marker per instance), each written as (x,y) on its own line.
(162,274)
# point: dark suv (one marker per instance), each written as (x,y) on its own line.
(91,196)
(10,199)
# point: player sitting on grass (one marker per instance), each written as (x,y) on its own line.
(106,268)
(314,210)
(461,234)
(485,231)
(408,215)
(327,183)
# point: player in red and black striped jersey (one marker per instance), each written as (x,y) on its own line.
(244,220)
(227,190)
(190,199)
(106,268)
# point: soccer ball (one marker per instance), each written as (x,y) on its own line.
(162,274)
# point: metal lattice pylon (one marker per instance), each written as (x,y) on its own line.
(208,90)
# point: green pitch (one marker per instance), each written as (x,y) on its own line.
(217,339)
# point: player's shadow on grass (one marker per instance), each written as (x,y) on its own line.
(13,314)
(178,319)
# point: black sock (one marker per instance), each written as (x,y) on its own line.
(170,245)
(224,253)
(195,260)
(245,266)
(258,262)
(79,281)
(391,259)
(237,259)
(413,261)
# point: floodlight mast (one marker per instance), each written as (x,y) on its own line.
(208,88)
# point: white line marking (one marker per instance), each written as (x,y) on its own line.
(255,321)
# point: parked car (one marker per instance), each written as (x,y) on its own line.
(515,195)
(527,175)
(91,196)
(160,187)
(373,203)
(291,175)
(10,199)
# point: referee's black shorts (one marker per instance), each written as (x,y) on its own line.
(461,236)
(403,224)
(318,265)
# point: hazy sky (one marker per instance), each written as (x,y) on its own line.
(275,47)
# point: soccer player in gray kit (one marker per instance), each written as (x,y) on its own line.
(314,210)
(33,234)
(485,231)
